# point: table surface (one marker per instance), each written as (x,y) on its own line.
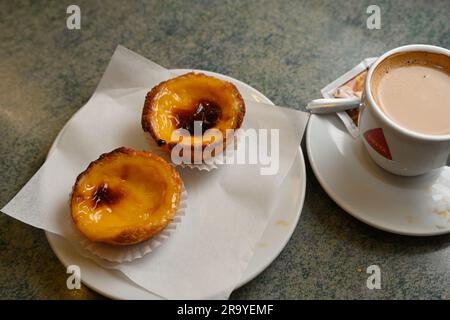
(286,49)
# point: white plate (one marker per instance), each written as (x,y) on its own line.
(114,284)
(402,205)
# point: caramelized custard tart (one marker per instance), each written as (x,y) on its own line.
(125,197)
(192,98)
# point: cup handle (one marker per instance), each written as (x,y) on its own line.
(322,106)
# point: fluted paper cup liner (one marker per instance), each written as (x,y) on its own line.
(129,253)
(208,165)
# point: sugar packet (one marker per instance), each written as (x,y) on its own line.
(349,85)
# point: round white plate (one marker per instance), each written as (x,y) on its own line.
(114,284)
(402,205)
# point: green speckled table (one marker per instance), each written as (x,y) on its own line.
(287,49)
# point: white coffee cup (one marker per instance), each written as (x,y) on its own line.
(397,149)
(394,148)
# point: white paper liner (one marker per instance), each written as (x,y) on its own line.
(330,89)
(129,253)
(205,166)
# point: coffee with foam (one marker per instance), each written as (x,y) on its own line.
(413,90)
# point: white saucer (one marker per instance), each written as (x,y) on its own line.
(402,205)
(287,212)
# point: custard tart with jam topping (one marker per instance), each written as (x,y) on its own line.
(188,100)
(125,197)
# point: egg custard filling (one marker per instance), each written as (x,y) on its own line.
(125,197)
(194,102)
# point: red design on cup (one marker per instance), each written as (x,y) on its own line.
(377,141)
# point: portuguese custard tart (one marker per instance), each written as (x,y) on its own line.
(185,102)
(125,197)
